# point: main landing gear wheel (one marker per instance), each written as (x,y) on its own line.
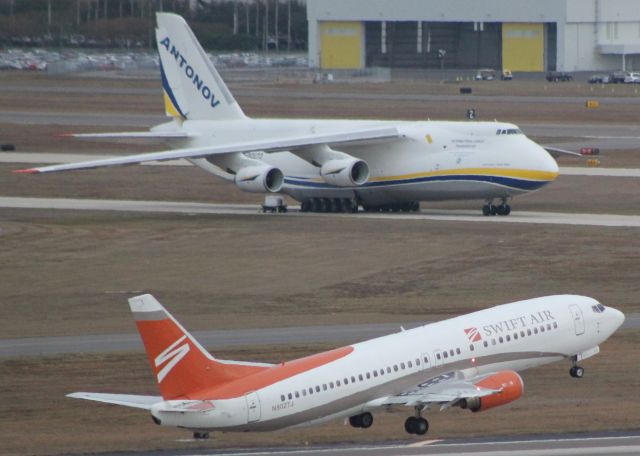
(364,420)
(200,435)
(576,372)
(329,205)
(416,425)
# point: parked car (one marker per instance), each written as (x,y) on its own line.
(485,75)
(617,77)
(506,75)
(632,78)
(599,79)
(558,76)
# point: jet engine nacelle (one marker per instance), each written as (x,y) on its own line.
(508,381)
(259,179)
(345,172)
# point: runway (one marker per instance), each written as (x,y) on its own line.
(545,218)
(601,444)
(108,343)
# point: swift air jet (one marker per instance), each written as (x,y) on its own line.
(468,361)
(327,165)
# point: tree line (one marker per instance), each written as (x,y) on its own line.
(219,24)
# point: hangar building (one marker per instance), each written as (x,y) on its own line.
(520,35)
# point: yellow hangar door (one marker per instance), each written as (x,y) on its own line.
(341,44)
(523,47)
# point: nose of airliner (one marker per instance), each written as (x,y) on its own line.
(616,317)
(548,164)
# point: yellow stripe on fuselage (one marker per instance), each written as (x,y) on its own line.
(527,174)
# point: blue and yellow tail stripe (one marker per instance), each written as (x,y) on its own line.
(520,179)
(171,106)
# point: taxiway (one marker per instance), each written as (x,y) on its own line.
(551,218)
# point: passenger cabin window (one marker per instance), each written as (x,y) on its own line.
(289,396)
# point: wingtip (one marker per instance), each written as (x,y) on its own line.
(27,171)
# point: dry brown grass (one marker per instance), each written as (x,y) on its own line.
(36,418)
(70,272)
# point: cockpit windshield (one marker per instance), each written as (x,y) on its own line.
(598,308)
(508,131)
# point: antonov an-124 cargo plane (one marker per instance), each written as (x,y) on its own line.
(328,165)
(469,361)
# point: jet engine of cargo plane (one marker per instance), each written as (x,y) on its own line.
(345,172)
(259,178)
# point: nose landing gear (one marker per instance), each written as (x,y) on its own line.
(576,372)
(501,209)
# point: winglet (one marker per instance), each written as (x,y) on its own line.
(27,171)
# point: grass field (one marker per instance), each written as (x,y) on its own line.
(69,273)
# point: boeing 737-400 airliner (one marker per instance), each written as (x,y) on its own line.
(327,165)
(469,361)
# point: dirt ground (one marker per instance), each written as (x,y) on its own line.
(67,273)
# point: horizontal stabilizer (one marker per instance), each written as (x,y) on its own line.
(127,400)
(130,135)
(270,145)
(557,152)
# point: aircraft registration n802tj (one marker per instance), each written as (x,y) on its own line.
(327,165)
(470,361)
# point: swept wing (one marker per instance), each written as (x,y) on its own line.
(271,145)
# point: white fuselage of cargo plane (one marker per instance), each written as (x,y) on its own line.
(431,160)
(468,361)
(328,165)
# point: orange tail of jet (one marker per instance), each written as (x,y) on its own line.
(181,365)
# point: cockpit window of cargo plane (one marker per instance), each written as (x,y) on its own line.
(508,131)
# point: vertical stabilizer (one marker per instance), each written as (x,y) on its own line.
(181,366)
(193,89)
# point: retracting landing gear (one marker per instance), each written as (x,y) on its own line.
(576,371)
(416,424)
(329,205)
(501,209)
(364,420)
(201,435)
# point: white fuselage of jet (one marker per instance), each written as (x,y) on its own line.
(354,379)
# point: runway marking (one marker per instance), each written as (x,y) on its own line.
(550,218)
